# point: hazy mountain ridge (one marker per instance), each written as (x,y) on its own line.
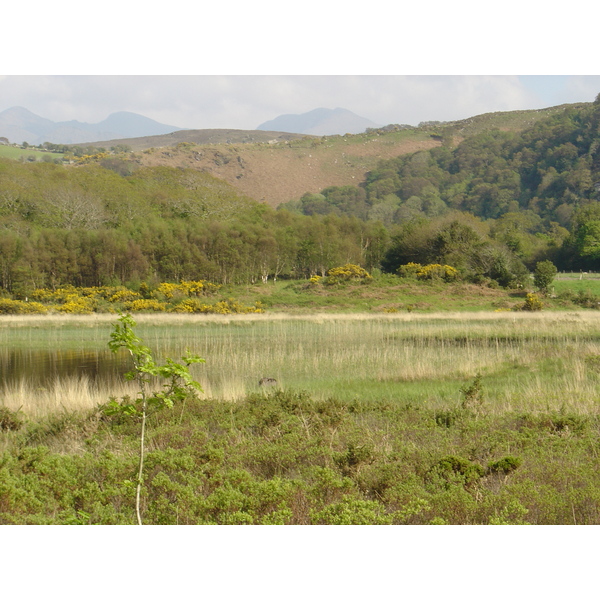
(320,121)
(19,125)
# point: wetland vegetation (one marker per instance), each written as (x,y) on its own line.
(400,418)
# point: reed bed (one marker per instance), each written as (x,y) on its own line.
(62,394)
(528,362)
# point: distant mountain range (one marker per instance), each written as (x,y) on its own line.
(321,121)
(21,125)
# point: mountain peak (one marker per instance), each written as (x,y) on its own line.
(320,121)
(19,124)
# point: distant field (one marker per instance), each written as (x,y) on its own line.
(18,153)
(577,282)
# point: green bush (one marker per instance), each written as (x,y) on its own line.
(350,511)
(544,275)
(505,465)
(10,420)
(453,470)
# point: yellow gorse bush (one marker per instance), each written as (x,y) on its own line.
(167,297)
(76,305)
(429,272)
(348,272)
(224,307)
(145,305)
(124,296)
(18,307)
(532,303)
(62,294)
(185,288)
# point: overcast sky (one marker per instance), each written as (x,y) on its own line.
(239,64)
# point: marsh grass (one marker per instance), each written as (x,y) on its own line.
(62,394)
(537,361)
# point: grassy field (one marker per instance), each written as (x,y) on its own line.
(385,294)
(577,283)
(24,154)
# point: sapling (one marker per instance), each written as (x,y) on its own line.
(179,384)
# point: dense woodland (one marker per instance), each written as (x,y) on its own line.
(491,206)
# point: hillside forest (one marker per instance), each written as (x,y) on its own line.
(491,205)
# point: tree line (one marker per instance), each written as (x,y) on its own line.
(89,226)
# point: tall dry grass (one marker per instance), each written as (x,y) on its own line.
(62,394)
(529,361)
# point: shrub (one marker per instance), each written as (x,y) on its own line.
(348,272)
(448,418)
(61,295)
(10,420)
(224,307)
(409,270)
(505,465)
(472,394)
(169,291)
(428,272)
(77,305)
(544,275)
(350,511)
(124,296)
(453,470)
(18,307)
(435,271)
(143,305)
(532,303)
(584,298)
(351,460)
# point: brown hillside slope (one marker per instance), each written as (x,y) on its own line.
(275,167)
(282,171)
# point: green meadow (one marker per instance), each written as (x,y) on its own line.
(27,154)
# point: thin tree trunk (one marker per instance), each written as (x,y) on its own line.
(141,469)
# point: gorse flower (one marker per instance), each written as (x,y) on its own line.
(429,272)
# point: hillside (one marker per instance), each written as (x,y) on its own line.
(490,207)
(279,171)
(275,167)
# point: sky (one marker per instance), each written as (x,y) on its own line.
(240,64)
(246,101)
